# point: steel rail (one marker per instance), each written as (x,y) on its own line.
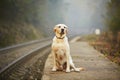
(23,44)
(6,70)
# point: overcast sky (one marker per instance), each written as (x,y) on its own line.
(84,15)
(81,16)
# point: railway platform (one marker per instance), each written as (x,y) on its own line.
(97,66)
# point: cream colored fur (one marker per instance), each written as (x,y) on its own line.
(62,59)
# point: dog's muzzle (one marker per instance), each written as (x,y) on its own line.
(62,31)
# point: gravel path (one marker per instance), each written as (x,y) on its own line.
(97,66)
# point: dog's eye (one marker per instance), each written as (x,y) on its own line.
(64,27)
(59,26)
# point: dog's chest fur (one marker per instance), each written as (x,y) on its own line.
(59,47)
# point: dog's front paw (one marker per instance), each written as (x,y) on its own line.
(54,69)
(67,71)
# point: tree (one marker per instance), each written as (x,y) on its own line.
(114,16)
(113,21)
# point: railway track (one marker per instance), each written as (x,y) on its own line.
(9,55)
(29,61)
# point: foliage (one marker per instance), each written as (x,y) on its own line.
(17,33)
(105,44)
(22,20)
(17,21)
(113,21)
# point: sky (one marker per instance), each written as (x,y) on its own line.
(81,16)
(84,16)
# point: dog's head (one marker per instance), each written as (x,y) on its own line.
(60,30)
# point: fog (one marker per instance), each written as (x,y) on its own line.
(81,16)
(25,20)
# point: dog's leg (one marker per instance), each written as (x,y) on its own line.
(73,66)
(54,62)
(68,61)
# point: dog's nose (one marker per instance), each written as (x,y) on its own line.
(62,30)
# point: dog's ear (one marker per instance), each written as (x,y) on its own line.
(54,29)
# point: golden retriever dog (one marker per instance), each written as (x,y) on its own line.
(62,59)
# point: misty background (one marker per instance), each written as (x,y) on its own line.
(26,20)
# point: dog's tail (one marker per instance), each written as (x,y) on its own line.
(81,69)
